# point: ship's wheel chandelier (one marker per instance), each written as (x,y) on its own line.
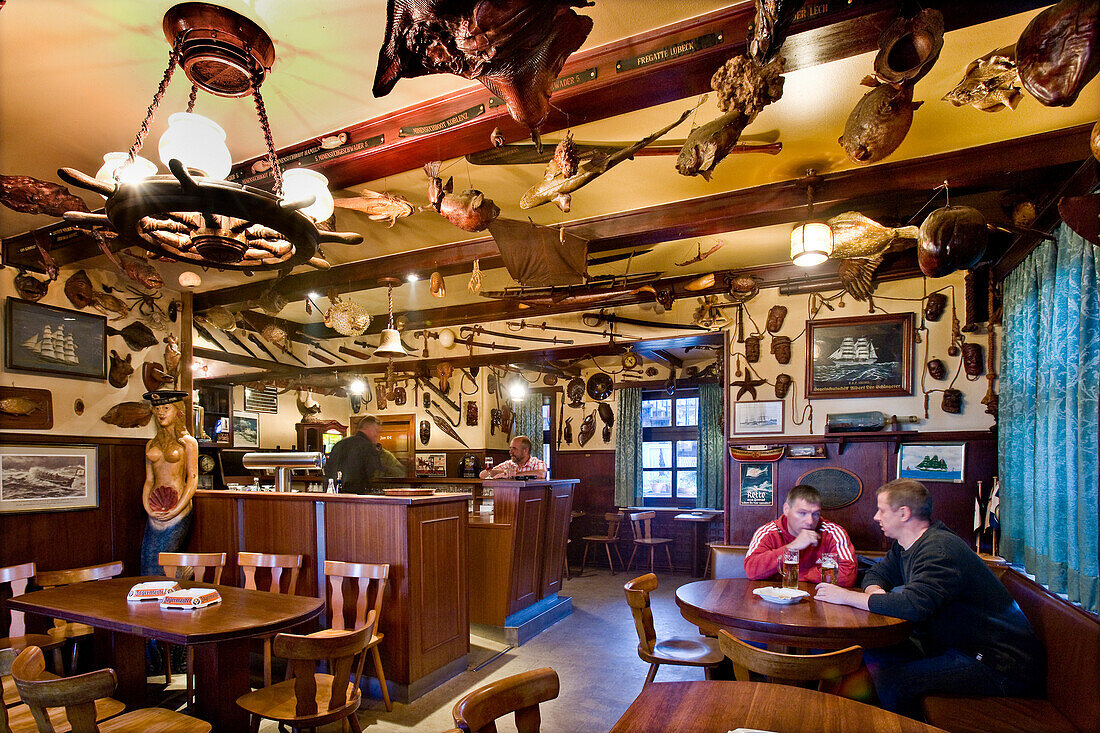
(193,215)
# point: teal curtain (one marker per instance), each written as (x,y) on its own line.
(529,421)
(1049,414)
(628,448)
(711,476)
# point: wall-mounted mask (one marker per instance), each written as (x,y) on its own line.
(973,362)
(752,349)
(425,432)
(427,400)
(775,318)
(781,347)
(936,369)
(495,417)
(952,401)
(399,396)
(356,403)
(782,385)
(933,306)
(471,413)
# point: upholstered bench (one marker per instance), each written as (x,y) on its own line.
(1071,638)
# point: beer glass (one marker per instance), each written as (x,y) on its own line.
(830,570)
(788,570)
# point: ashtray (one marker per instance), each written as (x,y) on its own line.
(782,596)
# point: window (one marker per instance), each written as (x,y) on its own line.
(670,447)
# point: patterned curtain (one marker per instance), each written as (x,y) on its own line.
(628,448)
(1049,432)
(528,413)
(711,477)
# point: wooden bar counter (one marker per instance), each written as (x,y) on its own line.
(517,552)
(425,616)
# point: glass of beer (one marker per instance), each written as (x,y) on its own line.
(830,571)
(788,570)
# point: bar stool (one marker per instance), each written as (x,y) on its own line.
(72,631)
(643,538)
(201,566)
(371,579)
(249,563)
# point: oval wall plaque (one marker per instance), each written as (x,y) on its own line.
(839,487)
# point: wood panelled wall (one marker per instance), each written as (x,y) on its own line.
(112,531)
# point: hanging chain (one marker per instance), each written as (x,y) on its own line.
(192,98)
(173,59)
(389,301)
(261,112)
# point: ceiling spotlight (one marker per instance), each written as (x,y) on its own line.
(517,390)
(412,277)
(357,387)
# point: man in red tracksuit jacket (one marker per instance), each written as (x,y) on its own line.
(800,528)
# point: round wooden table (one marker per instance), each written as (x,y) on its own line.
(717,707)
(729,604)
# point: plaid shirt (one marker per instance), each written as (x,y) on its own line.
(510,469)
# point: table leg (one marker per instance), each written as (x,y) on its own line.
(221,676)
(695,549)
(126,653)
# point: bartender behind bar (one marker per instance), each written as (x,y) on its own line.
(358,460)
(521,465)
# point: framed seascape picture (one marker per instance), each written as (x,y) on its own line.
(932,461)
(757,484)
(246,430)
(43,478)
(758,417)
(865,356)
(49,340)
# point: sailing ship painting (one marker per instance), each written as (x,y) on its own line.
(868,355)
(42,338)
(932,461)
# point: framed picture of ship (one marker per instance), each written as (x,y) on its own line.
(43,478)
(932,461)
(758,417)
(865,356)
(49,340)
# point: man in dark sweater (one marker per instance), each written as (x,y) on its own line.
(969,636)
(359,460)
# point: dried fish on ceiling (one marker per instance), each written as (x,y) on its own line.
(469,210)
(29,195)
(860,243)
(516,48)
(31,288)
(557,187)
(990,83)
(879,122)
(908,48)
(346,317)
(1059,52)
(768,29)
(378,206)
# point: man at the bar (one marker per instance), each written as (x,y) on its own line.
(359,459)
(521,463)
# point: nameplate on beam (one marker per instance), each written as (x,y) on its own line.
(668,53)
(562,82)
(452,121)
(323,152)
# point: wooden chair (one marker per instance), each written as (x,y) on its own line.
(611,539)
(79,694)
(18,718)
(249,563)
(728,561)
(72,631)
(204,567)
(521,693)
(790,669)
(18,638)
(311,699)
(371,581)
(644,538)
(688,652)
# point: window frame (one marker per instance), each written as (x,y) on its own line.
(674,434)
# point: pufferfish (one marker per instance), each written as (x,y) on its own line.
(860,243)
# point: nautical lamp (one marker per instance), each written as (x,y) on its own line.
(811,241)
(390,345)
(194,216)
(517,390)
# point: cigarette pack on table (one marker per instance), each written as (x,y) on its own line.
(191,598)
(152,590)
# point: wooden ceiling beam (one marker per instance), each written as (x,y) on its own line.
(904,185)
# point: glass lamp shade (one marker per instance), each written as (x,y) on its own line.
(116,169)
(517,390)
(811,243)
(357,387)
(447,338)
(198,143)
(301,183)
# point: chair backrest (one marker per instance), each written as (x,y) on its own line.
(53,578)
(249,562)
(343,652)
(521,693)
(18,576)
(201,565)
(371,580)
(614,522)
(728,561)
(77,694)
(637,595)
(640,522)
(788,668)
(7,656)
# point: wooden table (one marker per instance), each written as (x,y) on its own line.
(729,603)
(717,707)
(696,519)
(219,633)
